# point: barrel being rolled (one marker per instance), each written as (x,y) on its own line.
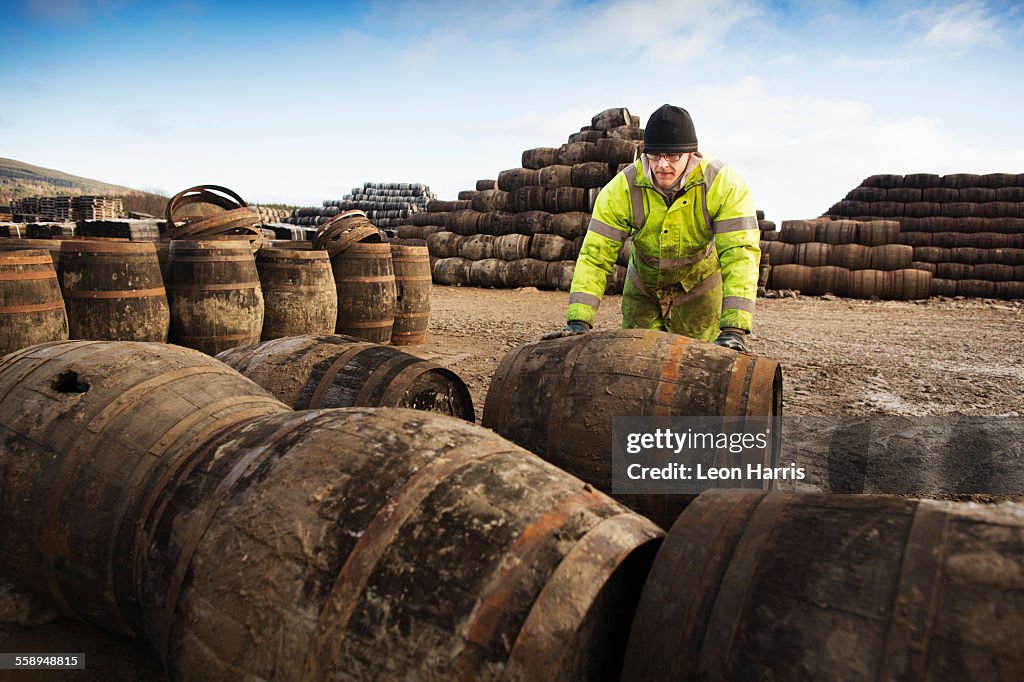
(308,372)
(558,398)
(31,308)
(85,428)
(214,293)
(299,295)
(852,587)
(114,291)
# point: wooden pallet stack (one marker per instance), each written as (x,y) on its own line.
(97,208)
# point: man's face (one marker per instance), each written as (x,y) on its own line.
(667,168)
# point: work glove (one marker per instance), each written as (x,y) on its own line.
(729,338)
(572,329)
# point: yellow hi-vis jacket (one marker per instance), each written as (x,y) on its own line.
(693,266)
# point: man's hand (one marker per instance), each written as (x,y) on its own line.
(572,329)
(731,338)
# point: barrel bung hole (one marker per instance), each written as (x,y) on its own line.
(69,382)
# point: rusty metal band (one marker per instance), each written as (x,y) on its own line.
(173,258)
(737,583)
(411,316)
(916,603)
(223,337)
(26,260)
(111,248)
(368,255)
(204,514)
(561,388)
(502,388)
(340,604)
(762,388)
(127,606)
(235,286)
(563,604)
(327,380)
(124,293)
(419,278)
(400,383)
(27,276)
(82,447)
(202,194)
(680,581)
(348,324)
(32,307)
(740,373)
(670,372)
(528,549)
(363,279)
(377,375)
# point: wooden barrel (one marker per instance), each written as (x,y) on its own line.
(852,256)
(798,231)
(787,276)
(550,247)
(365,278)
(214,293)
(837,232)
(782,253)
(490,200)
(868,284)
(86,427)
(754,586)
(299,294)
(616,280)
(878,232)
(558,175)
(540,157)
(813,254)
(412,294)
(967,254)
(527,272)
(559,274)
(578,152)
(431,550)
(527,199)
(532,222)
(1008,290)
(943,287)
(593,174)
(512,247)
(51,246)
(954,270)
(611,118)
(489,272)
(558,398)
(891,256)
(477,247)
(314,371)
(514,178)
(497,223)
(451,271)
(31,308)
(829,279)
(113,291)
(911,285)
(569,225)
(444,244)
(994,272)
(615,151)
(975,288)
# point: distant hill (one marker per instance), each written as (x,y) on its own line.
(18,180)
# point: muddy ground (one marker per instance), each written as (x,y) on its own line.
(839,357)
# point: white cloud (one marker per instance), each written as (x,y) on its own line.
(961,27)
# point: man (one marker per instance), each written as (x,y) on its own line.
(694,262)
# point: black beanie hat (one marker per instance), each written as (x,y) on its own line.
(670,129)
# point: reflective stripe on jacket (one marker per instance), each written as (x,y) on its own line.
(710,227)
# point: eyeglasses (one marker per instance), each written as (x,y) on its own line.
(671,158)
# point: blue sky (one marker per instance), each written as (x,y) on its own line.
(300,102)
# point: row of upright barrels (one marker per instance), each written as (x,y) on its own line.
(494,273)
(211,295)
(902,284)
(254,541)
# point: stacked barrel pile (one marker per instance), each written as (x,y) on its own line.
(859,259)
(387,204)
(526,227)
(966,229)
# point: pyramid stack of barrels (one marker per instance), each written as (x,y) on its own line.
(387,204)
(526,227)
(966,230)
